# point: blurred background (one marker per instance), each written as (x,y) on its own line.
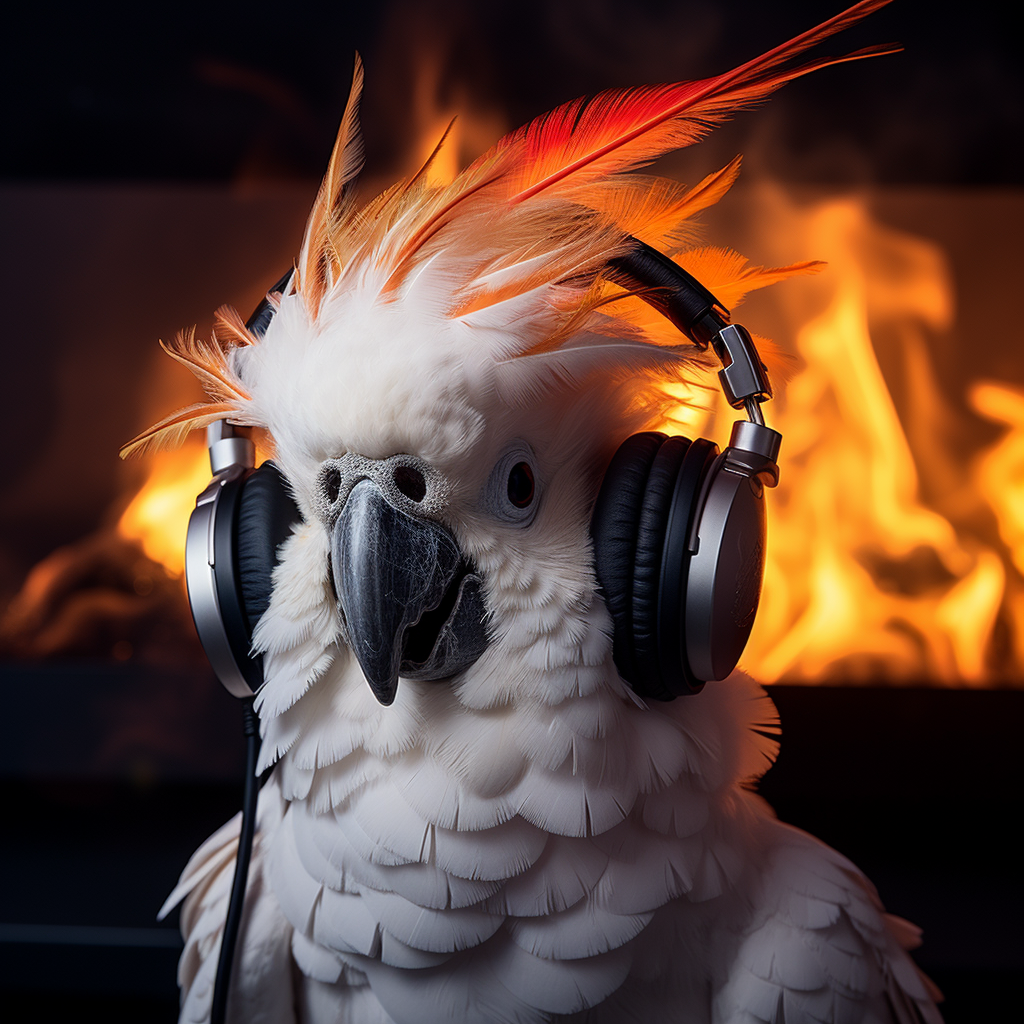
(159,163)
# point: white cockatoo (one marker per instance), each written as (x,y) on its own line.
(471,816)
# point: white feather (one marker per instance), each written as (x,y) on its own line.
(585,930)
(565,873)
(436,931)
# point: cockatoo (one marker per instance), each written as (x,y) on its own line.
(470,815)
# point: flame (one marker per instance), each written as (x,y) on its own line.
(999,476)
(1000,470)
(864,581)
(438,107)
(431,119)
(157,517)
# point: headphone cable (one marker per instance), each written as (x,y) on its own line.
(250,725)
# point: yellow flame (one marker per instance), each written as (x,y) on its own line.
(1000,471)
(430,120)
(157,517)
(863,581)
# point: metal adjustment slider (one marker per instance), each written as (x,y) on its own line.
(230,445)
(743,376)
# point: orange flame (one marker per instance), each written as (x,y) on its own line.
(157,516)
(864,582)
(999,477)
(472,130)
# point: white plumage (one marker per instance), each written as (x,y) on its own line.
(527,840)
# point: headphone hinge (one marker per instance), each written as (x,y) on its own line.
(743,376)
(230,445)
(754,450)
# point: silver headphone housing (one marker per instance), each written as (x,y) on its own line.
(232,458)
(727,551)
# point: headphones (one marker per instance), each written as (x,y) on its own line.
(679,527)
(240,520)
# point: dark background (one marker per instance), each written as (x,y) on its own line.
(217,91)
(127,126)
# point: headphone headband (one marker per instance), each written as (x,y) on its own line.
(686,303)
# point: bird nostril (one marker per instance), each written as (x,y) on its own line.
(410,482)
(332,485)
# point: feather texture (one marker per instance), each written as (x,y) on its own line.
(318,263)
(208,361)
(621,129)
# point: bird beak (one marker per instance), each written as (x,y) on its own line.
(411,602)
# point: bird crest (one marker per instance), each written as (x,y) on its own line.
(528,227)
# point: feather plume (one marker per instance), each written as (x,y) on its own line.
(617,130)
(729,276)
(229,328)
(209,363)
(172,430)
(207,360)
(318,263)
(658,210)
(573,153)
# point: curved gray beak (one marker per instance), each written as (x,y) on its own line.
(411,603)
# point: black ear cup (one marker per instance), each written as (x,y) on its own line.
(254,516)
(643,516)
(614,532)
(673,657)
(656,509)
(679,545)
(266,515)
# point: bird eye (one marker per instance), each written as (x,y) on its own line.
(520,485)
(511,490)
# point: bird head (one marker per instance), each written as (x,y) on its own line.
(444,380)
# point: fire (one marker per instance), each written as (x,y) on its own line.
(1000,471)
(865,582)
(999,476)
(157,516)
(431,120)
(435,110)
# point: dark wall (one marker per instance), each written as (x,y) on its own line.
(213,91)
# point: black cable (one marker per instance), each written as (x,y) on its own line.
(250,725)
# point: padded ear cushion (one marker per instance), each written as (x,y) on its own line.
(265,517)
(673,662)
(254,514)
(613,528)
(651,528)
